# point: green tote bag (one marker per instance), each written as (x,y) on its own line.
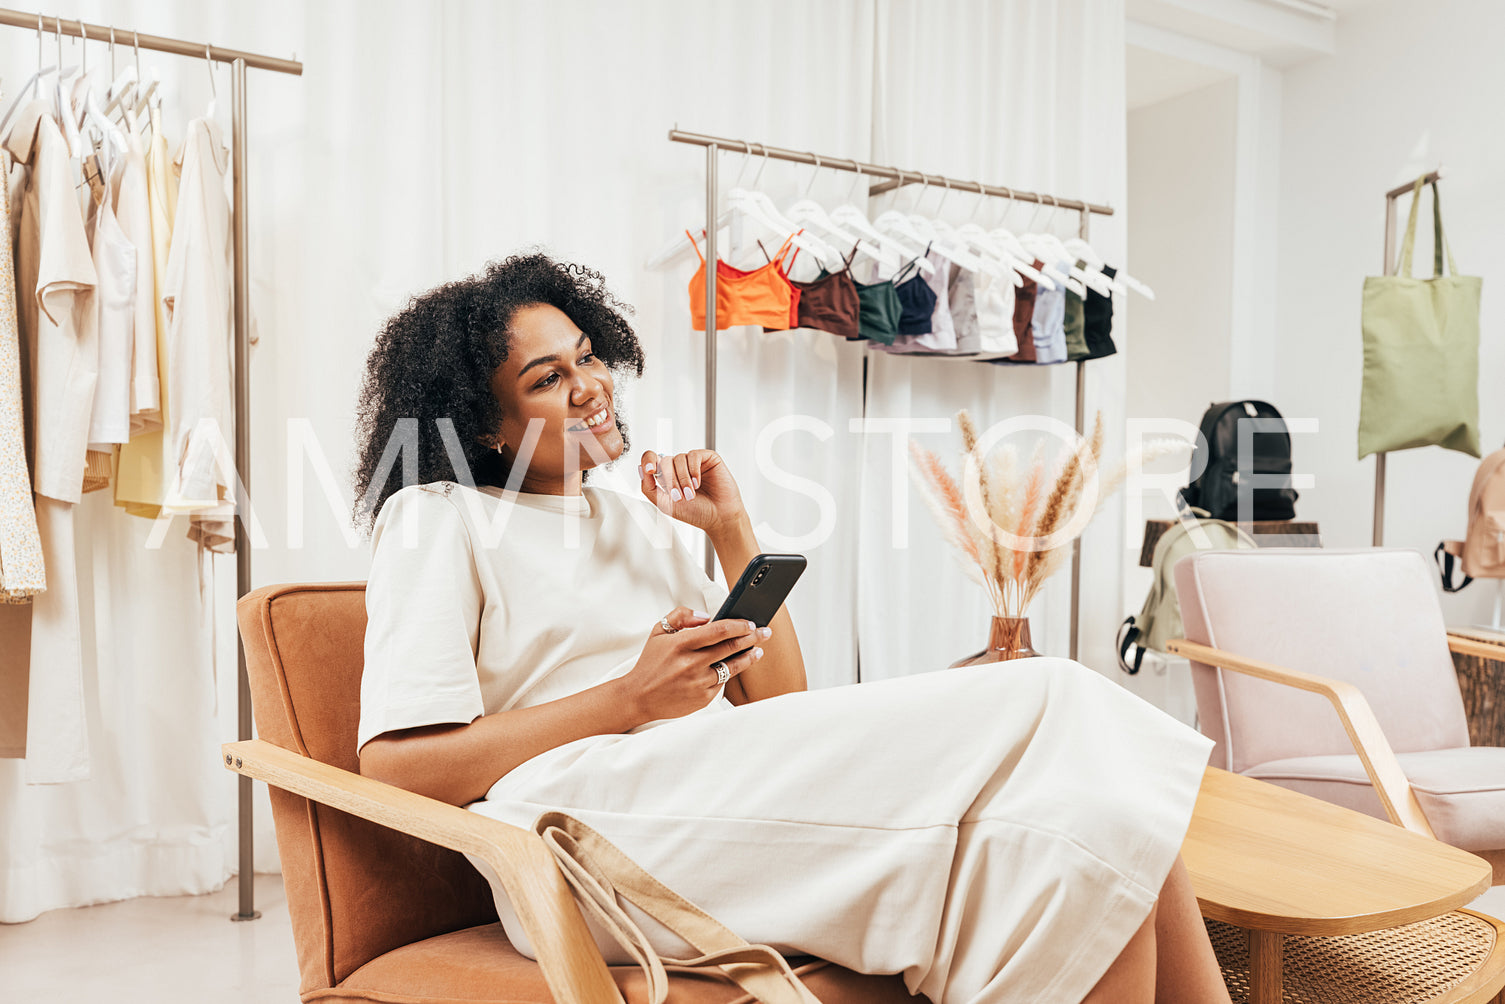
(1421,352)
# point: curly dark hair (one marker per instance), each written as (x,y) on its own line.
(434,360)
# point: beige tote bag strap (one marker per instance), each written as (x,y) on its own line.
(599,872)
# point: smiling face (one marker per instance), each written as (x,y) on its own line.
(551,380)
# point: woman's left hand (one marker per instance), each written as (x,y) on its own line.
(695,487)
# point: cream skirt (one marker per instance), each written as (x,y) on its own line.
(994,833)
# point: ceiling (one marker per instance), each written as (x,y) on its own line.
(1280,33)
(1153,77)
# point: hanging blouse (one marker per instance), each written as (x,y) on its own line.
(878,318)
(917,299)
(58,323)
(1098,326)
(1024,319)
(133,214)
(961,295)
(828,302)
(22,574)
(196,295)
(934,334)
(114,304)
(55,286)
(995,316)
(1049,325)
(762,297)
(141,465)
(1076,339)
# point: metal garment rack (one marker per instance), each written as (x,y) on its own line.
(1390,267)
(895,178)
(238,61)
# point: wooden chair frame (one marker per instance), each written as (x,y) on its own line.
(572,964)
(1369,742)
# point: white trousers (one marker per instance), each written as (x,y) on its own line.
(994,833)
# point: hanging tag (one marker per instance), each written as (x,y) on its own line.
(95,178)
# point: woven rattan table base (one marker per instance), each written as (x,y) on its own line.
(1404,965)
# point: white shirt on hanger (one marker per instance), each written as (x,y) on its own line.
(115,299)
(133,214)
(196,293)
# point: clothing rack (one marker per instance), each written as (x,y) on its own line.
(895,178)
(238,61)
(1390,267)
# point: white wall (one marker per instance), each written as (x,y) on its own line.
(1409,86)
(1181,164)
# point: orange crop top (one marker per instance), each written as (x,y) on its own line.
(762,297)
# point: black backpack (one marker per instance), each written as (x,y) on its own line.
(1217,488)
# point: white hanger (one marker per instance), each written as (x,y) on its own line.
(33,83)
(996,258)
(849,215)
(213,90)
(1134,284)
(1020,260)
(124,83)
(1087,277)
(937,231)
(894,222)
(806,210)
(756,204)
(1094,269)
(62,100)
(1048,248)
(679,245)
(760,208)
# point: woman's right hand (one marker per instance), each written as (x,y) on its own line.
(673,676)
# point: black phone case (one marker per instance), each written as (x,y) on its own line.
(759,602)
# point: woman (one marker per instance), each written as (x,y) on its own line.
(535,642)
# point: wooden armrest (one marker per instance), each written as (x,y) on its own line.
(571,962)
(1384,770)
(1476,647)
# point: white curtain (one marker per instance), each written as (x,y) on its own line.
(427,138)
(1030,95)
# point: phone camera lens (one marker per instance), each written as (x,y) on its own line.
(759,577)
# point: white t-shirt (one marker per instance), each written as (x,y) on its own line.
(483,600)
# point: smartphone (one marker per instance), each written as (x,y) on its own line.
(761,589)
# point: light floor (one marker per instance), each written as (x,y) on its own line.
(154,950)
(185,949)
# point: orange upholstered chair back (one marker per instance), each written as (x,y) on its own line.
(355,890)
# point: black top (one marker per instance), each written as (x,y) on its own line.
(916,304)
(1099,320)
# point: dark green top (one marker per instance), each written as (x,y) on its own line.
(878,319)
(1076,328)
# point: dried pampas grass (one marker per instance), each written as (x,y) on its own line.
(1029,520)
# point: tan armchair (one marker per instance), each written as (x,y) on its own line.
(384,906)
(1328,673)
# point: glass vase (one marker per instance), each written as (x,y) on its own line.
(1008,639)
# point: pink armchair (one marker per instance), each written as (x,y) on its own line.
(1281,639)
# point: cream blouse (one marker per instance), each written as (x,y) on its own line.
(483,600)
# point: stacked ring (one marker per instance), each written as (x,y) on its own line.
(664,623)
(722,673)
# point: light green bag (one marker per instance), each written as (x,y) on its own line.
(1421,352)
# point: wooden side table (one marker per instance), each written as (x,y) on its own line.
(1479,658)
(1267,533)
(1300,875)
